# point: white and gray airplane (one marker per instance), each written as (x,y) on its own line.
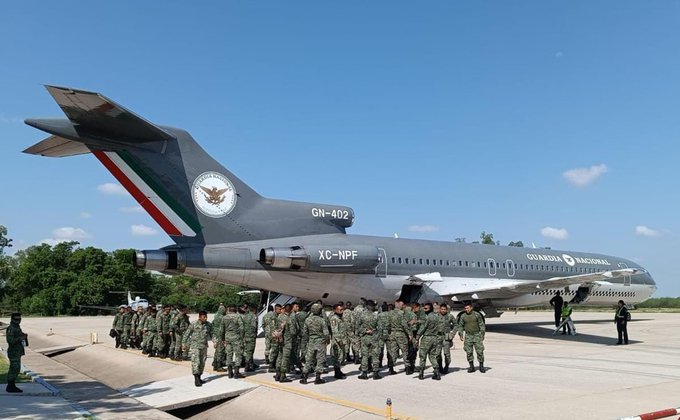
(225,231)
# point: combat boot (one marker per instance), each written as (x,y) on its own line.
(237,373)
(304,378)
(283,377)
(471,369)
(421,375)
(409,370)
(197,380)
(376,375)
(339,374)
(272,369)
(391,366)
(437,376)
(364,375)
(230,371)
(250,368)
(218,369)
(12,387)
(482,369)
(318,380)
(446,369)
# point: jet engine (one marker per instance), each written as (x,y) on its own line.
(354,258)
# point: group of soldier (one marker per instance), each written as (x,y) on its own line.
(297,338)
(157,334)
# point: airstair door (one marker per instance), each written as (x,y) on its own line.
(381,268)
(626,279)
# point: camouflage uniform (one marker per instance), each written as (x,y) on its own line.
(140,330)
(400,336)
(118,326)
(268,325)
(196,340)
(339,338)
(289,335)
(368,330)
(127,328)
(353,343)
(449,332)
(473,326)
(315,333)
(300,348)
(163,334)
(15,349)
(384,336)
(430,334)
(151,333)
(134,335)
(218,358)
(232,325)
(179,328)
(277,341)
(249,336)
(171,333)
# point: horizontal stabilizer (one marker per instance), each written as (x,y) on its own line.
(55,146)
(99,114)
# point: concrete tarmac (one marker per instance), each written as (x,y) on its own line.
(532,374)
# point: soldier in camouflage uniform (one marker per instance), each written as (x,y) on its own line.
(249,336)
(195,340)
(415,322)
(269,325)
(16,339)
(449,332)
(430,335)
(163,334)
(118,325)
(135,339)
(472,324)
(178,327)
(232,337)
(299,346)
(315,333)
(368,329)
(383,316)
(127,328)
(339,339)
(288,329)
(219,357)
(141,330)
(151,333)
(353,344)
(400,337)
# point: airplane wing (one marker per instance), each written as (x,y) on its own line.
(507,288)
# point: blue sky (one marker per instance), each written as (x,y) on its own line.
(549,122)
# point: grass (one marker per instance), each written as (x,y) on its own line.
(4,368)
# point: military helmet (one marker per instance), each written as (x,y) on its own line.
(316,309)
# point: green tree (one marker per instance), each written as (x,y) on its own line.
(6,262)
(487,238)
(518,244)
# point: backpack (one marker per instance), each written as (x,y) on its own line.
(628,317)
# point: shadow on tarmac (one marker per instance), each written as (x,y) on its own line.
(545,330)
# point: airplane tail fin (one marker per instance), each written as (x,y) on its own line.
(191,196)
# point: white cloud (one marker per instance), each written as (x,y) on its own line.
(582,177)
(143,230)
(643,230)
(133,209)
(111,189)
(70,233)
(66,234)
(555,233)
(559,54)
(423,228)
(85,215)
(5,119)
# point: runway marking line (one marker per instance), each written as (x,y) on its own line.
(321,397)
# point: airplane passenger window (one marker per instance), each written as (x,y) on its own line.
(503,265)
(484,264)
(479,265)
(434,262)
(421,261)
(441,262)
(399,259)
(427,261)
(460,263)
(447,262)
(466,263)
(393,260)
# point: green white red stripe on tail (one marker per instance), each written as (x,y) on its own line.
(169,215)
